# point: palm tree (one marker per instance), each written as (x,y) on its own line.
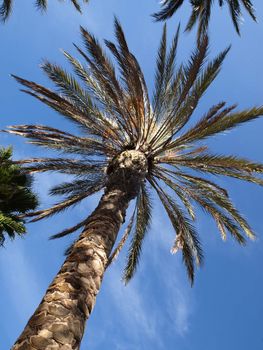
(127,147)
(6,7)
(16,196)
(201,11)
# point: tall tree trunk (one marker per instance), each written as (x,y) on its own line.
(59,321)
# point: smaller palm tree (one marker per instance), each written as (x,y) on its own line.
(6,7)
(16,196)
(201,11)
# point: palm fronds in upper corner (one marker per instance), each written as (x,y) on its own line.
(7,5)
(201,12)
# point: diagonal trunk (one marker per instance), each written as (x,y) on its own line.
(59,321)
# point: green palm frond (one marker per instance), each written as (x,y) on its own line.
(64,165)
(77,191)
(143,221)
(189,242)
(201,12)
(6,7)
(165,72)
(91,182)
(10,225)
(191,90)
(223,221)
(178,191)
(109,102)
(169,8)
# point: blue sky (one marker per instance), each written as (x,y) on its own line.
(158,309)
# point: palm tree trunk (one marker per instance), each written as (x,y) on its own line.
(59,321)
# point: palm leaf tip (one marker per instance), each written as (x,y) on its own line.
(143,220)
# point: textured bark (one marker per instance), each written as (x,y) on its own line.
(59,321)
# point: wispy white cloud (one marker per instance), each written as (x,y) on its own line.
(131,304)
(146,312)
(179,306)
(20,280)
(178,301)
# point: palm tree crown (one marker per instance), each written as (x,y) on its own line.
(6,7)
(117,119)
(16,196)
(201,11)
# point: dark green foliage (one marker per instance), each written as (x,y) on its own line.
(16,196)
(6,7)
(201,12)
(114,113)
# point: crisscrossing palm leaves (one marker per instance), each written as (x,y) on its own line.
(116,116)
(201,11)
(6,7)
(16,196)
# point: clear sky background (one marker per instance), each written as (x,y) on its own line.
(158,309)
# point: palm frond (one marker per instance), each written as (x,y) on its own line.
(143,219)
(11,225)
(199,181)
(164,71)
(220,122)
(191,248)
(203,81)
(201,12)
(204,13)
(90,184)
(89,119)
(46,136)
(235,12)
(6,7)
(70,229)
(250,9)
(189,75)
(114,255)
(193,19)
(169,8)
(58,103)
(103,71)
(133,80)
(223,221)
(61,206)
(160,70)
(67,85)
(67,166)
(41,4)
(215,161)
(178,191)
(225,203)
